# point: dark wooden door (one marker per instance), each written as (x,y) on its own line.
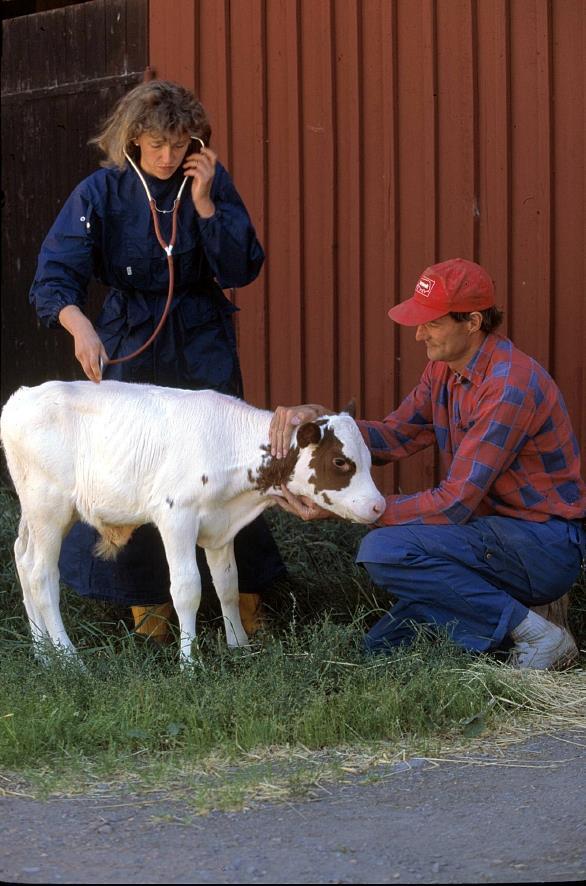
(62,72)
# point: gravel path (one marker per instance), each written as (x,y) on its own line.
(521,818)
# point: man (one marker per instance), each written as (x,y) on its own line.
(503,530)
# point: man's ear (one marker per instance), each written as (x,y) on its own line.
(350,408)
(308,434)
(475,321)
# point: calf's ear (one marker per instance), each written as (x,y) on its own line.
(350,408)
(308,434)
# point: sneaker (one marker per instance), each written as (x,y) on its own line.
(542,645)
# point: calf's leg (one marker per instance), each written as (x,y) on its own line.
(23,557)
(179,532)
(225,577)
(37,555)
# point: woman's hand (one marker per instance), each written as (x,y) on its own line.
(88,347)
(284,422)
(301,506)
(201,168)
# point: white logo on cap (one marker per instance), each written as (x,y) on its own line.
(424,286)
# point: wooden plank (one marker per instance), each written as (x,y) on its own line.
(569,149)
(457,205)
(494,147)
(531,203)
(75,46)
(172,34)
(115,28)
(52,63)
(417,186)
(137,34)
(283,229)
(14,32)
(247,112)
(350,169)
(318,201)
(213,72)
(379,200)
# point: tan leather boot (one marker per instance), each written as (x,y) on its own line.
(251,613)
(152,622)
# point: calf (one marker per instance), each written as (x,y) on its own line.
(197,464)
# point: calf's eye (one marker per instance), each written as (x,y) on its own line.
(341,464)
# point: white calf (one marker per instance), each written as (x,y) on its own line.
(195,463)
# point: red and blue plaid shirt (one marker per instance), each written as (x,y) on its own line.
(505,440)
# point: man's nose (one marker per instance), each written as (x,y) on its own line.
(420,333)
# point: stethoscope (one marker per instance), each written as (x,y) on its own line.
(168,249)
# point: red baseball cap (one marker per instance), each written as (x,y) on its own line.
(453,285)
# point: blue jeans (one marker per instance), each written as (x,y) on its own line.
(476,580)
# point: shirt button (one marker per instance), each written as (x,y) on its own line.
(488,555)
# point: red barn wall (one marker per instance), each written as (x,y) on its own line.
(371,139)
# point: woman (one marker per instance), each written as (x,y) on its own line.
(157,136)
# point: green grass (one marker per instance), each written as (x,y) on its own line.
(292,710)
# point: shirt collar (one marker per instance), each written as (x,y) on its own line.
(476,368)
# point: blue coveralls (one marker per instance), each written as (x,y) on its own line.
(105,230)
(475,580)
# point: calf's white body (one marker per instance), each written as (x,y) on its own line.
(195,463)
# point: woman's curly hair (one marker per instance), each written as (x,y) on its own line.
(157,106)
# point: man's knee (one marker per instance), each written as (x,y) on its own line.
(389,544)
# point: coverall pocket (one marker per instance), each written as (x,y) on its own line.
(139,273)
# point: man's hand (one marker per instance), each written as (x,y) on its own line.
(284,422)
(301,506)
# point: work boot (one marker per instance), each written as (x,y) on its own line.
(152,622)
(251,613)
(541,645)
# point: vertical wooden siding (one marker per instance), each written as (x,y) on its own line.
(370,139)
(62,72)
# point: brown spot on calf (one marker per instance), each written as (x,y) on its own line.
(332,470)
(275,471)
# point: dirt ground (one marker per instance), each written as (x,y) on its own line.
(513,818)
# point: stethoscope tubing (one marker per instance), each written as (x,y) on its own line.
(167,248)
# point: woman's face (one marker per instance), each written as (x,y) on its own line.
(161,154)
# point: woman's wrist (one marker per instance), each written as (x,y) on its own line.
(72,319)
(205,207)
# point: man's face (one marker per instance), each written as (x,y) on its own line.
(448,340)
